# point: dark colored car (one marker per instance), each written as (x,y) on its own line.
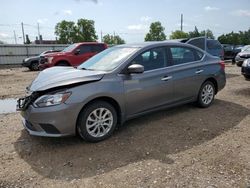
(212,46)
(33,62)
(245,69)
(230,51)
(244,54)
(118,84)
(73,55)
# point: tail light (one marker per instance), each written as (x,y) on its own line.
(222,64)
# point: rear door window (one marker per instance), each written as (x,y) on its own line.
(181,55)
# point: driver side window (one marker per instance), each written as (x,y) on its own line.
(152,59)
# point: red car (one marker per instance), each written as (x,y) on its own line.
(73,55)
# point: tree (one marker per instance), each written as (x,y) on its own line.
(82,31)
(178,35)
(110,39)
(207,33)
(86,30)
(194,33)
(66,31)
(240,38)
(156,32)
(1,42)
(27,41)
(203,33)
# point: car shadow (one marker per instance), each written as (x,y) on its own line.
(154,136)
(229,75)
(243,92)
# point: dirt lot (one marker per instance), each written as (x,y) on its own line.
(180,147)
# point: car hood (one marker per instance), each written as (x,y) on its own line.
(63,76)
(56,54)
(31,58)
(244,54)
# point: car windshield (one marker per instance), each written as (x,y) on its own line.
(108,59)
(69,48)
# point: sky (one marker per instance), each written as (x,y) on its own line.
(128,18)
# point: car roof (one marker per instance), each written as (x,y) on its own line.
(152,43)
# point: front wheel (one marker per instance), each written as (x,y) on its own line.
(97,121)
(206,94)
(34,66)
(247,77)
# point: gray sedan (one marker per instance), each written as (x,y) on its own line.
(119,84)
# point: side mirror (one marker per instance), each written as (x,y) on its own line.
(135,69)
(77,51)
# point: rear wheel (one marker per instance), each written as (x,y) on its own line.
(206,94)
(97,121)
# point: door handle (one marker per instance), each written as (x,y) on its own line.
(166,78)
(199,71)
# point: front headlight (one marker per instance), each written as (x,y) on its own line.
(26,59)
(51,100)
(50,59)
(246,63)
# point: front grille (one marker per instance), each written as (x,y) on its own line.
(43,60)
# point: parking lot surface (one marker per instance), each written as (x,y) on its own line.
(180,147)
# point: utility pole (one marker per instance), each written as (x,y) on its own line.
(38,29)
(181,22)
(101,35)
(23,33)
(15,37)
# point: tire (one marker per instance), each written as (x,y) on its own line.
(239,64)
(90,115)
(206,94)
(247,77)
(34,66)
(63,63)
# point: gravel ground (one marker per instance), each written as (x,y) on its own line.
(180,147)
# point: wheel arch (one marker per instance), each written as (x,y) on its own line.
(111,101)
(62,61)
(214,81)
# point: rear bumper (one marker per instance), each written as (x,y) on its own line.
(221,81)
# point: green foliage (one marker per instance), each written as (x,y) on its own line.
(156,32)
(69,32)
(66,31)
(86,30)
(178,35)
(194,33)
(203,33)
(240,38)
(1,42)
(207,33)
(27,40)
(110,39)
